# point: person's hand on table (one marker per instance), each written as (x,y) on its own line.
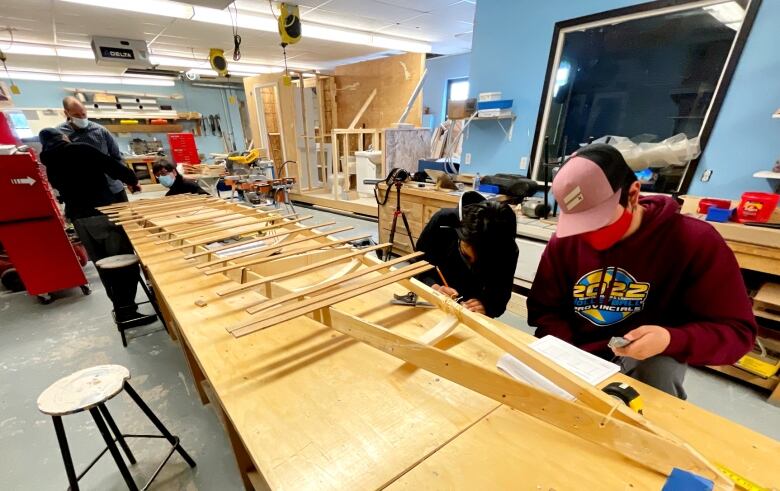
(134,188)
(446,290)
(474,305)
(646,341)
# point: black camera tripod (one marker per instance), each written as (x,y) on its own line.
(396,213)
(396,178)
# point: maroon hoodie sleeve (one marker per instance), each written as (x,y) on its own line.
(722,328)
(550,299)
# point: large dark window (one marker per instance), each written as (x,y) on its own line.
(645,73)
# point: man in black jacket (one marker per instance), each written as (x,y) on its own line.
(168,176)
(78,171)
(474,248)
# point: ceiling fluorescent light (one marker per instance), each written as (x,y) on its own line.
(30,49)
(91,79)
(178,62)
(19,75)
(84,54)
(159,82)
(154,7)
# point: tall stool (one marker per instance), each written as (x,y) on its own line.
(89,390)
(117,272)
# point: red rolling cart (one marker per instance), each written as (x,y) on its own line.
(32,230)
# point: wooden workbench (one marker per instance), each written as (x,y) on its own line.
(306,407)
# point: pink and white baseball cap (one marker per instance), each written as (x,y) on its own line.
(588,187)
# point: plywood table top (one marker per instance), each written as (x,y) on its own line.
(317,410)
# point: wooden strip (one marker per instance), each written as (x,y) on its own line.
(155,236)
(258,239)
(439,331)
(239,215)
(154,216)
(297,271)
(271,302)
(639,445)
(207,215)
(130,204)
(160,207)
(221,227)
(285,313)
(283,255)
(362,110)
(224,236)
(569,382)
(270,247)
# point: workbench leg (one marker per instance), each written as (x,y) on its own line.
(243,461)
(195,372)
(774,397)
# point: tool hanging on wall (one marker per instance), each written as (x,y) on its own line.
(289,21)
(212,125)
(14,88)
(217,124)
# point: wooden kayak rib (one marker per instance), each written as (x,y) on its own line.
(292,252)
(303,269)
(258,239)
(269,247)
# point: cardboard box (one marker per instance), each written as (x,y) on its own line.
(461,109)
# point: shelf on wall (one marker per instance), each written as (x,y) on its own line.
(144,128)
(498,119)
(767,174)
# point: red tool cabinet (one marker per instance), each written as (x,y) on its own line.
(32,229)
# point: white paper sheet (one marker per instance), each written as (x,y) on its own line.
(587,366)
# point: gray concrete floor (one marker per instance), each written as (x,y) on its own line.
(41,343)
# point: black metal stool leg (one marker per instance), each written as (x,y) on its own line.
(59,429)
(118,434)
(151,297)
(158,424)
(120,463)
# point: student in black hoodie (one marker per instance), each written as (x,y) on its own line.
(78,171)
(166,174)
(474,248)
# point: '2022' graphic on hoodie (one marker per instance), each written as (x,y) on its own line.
(609,295)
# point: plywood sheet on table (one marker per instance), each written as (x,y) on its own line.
(313,407)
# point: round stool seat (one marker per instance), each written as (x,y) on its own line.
(83,390)
(118,261)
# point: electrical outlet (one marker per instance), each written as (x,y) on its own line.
(523,163)
(467,159)
(706,176)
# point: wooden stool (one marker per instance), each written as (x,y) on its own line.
(90,389)
(116,269)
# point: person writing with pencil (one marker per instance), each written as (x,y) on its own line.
(474,251)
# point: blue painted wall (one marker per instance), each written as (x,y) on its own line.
(37,94)
(440,70)
(509,54)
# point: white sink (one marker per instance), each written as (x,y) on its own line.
(374,156)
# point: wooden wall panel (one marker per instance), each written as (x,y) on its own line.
(394,78)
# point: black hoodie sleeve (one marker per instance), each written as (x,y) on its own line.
(429,243)
(108,165)
(498,287)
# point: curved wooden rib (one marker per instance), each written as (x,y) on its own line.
(297,271)
(335,278)
(258,239)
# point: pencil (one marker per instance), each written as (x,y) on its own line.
(442,277)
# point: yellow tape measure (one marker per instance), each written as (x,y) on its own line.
(740,482)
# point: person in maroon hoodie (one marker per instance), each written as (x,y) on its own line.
(624,265)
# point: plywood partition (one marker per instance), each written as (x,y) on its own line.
(394,79)
(272,121)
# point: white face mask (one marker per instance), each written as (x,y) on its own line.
(80,122)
